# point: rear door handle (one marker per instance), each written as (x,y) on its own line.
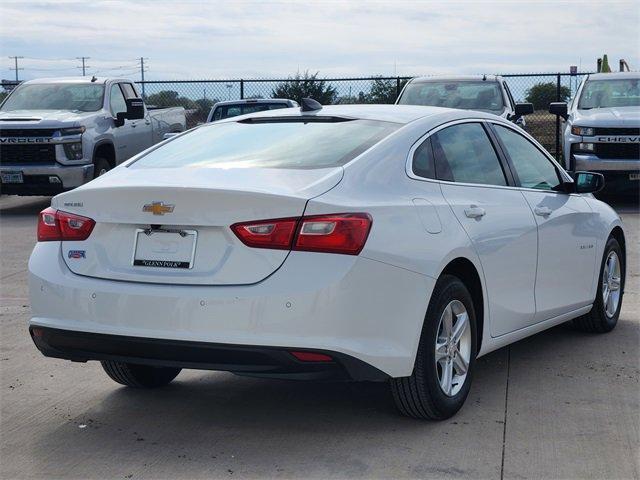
(474,211)
(543,211)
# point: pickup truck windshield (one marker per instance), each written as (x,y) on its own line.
(75,97)
(610,93)
(464,95)
(228,111)
(274,144)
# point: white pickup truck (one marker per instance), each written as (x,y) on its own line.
(601,132)
(487,93)
(57,134)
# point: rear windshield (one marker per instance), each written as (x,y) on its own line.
(610,93)
(227,111)
(463,95)
(281,144)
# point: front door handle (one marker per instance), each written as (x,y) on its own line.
(474,211)
(543,211)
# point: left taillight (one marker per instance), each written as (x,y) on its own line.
(54,225)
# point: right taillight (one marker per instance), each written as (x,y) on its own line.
(344,233)
(54,225)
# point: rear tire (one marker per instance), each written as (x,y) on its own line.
(423,394)
(604,314)
(100,167)
(139,376)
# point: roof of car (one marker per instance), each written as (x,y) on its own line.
(385,113)
(614,75)
(457,78)
(256,100)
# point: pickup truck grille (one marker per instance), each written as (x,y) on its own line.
(629,151)
(617,131)
(26,154)
(27,132)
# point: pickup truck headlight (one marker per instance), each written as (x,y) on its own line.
(72,131)
(583,131)
(73,151)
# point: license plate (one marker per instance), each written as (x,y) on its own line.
(11,177)
(634,176)
(164,248)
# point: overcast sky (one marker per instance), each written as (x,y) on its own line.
(252,39)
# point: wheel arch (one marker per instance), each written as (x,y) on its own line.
(618,234)
(466,271)
(105,149)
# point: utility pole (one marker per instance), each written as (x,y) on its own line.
(15,58)
(84,67)
(142,75)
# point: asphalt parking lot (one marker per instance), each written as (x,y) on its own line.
(561,404)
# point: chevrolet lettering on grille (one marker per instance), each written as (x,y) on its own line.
(158,208)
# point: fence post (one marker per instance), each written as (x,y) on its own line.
(397,88)
(241,89)
(558,99)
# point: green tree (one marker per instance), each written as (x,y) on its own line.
(305,86)
(170,98)
(384,90)
(542,94)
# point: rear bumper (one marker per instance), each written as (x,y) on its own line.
(275,362)
(38,178)
(360,308)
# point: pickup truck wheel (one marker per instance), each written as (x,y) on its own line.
(100,167)
(445,360)
(139,376)
(604,314)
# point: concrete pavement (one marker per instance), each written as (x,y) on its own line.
(561,404)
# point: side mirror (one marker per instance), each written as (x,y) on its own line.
(523,109)
(588,182)
(559,108)
(135,108)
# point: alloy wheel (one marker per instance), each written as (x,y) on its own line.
(453,348)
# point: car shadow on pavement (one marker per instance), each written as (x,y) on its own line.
(11,205)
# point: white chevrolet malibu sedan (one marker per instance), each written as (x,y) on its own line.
(381,243)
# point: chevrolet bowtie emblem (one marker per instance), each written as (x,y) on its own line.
(157,208)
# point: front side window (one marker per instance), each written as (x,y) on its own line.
(296,143)
(116,100)
(610,93)
(533,168)
(75,97)
(463,153)
(466,95)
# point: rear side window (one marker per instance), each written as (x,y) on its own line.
(274,144)
(533,168)
(463,153)
(423,165)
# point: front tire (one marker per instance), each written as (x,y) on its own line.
(100,167)
(441,378)
(139,376)
(604,314)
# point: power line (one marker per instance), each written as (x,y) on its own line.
(15,58)
(84,67)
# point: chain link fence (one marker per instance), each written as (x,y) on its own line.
(198,96)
